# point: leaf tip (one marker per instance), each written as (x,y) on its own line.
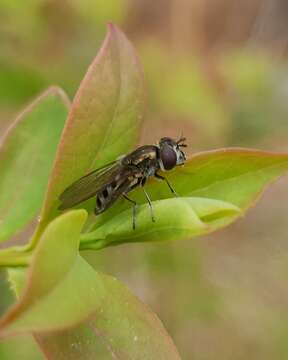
(77,215)
(59,92)
(116,34)
(112,28)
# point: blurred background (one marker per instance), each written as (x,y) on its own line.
(218,71)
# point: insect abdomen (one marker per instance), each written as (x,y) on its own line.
(110,193)
(122,183)
(104,198)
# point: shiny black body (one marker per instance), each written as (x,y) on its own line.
(123,175)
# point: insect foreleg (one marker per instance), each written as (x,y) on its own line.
(167,182)
(150,204)
(133,210)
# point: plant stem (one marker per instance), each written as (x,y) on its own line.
(15,257)
(87,244)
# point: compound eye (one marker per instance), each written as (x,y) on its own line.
(168,157)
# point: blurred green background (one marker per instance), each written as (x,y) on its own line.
(218,72)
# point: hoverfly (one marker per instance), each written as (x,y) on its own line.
(119,177)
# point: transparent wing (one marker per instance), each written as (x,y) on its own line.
(88,186)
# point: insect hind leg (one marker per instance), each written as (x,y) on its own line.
(150,204)
(133,210)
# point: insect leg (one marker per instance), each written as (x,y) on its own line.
(167,182)
(133,210)
(150,204)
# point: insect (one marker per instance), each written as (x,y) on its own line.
(119,177)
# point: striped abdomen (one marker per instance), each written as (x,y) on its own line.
(110,193)
(106,197)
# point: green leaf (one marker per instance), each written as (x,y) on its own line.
(125,326)
(104,119)
(197,216)
(20,347)
(27,152)
(223,183)
(65,232)
(98,305)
